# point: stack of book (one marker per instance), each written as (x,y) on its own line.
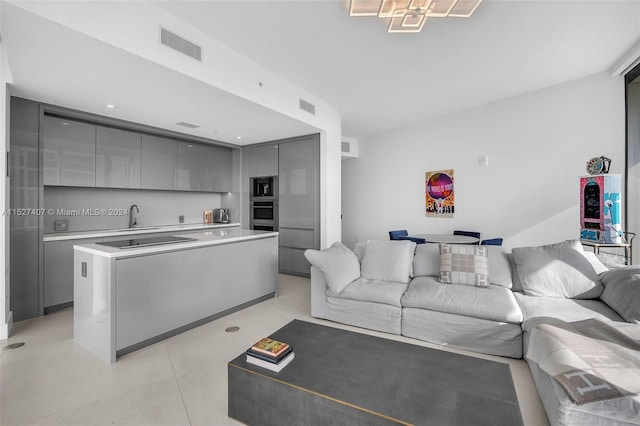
(270,354)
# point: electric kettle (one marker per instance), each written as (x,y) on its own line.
(221,216)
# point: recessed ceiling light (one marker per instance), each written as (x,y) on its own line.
(238,137)
(65,123)
(110,106)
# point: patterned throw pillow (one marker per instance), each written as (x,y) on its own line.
(464,264)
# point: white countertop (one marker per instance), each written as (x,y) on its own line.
(62,236)
(204,238)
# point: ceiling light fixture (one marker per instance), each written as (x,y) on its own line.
(110,106)
(409,16)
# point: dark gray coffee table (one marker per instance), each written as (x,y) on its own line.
(341,377)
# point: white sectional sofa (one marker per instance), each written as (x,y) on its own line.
(492,304)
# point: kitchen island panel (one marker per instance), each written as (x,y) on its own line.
(164,292)
(94,309)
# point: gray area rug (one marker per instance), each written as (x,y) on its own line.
(343,377)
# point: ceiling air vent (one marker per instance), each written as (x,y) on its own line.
(189,125)
(176,42)
(310,108)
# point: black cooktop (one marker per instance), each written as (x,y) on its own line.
(145,242)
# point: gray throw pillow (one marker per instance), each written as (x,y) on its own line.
(622,291)
(426,261)
(388,260)
(339,265)
(557,270)
(499,266)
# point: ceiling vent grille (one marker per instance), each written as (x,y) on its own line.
(183,46)
(306,106)
(189,125)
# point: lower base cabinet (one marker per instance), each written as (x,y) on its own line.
(58,273)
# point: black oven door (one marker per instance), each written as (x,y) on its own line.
(263,210)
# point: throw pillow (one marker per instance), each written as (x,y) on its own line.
(339,265)
(426,262)
(499,266)
(388,260)
(622,291)
(557,270)
(464,264)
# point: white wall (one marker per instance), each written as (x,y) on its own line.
(538,144)
(5,78)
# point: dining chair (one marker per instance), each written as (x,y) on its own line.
(468,234)
(402,234)
(491,242)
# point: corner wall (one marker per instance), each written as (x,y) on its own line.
(537,143)
(5,79)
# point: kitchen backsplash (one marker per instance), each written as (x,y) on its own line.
(88,209)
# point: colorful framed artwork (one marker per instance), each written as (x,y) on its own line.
(439,193)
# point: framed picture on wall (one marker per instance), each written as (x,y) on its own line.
(439,193)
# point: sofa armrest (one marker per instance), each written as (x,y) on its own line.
(318,293)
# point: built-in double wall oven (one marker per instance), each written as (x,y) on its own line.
(263,202)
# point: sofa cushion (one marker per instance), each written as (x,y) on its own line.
(464,264)
(557,270)
(622,291)
(491,303)
(538,310)
(339,265)
(388,260)
(426,261)
(377,291)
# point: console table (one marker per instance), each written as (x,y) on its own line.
(628,248)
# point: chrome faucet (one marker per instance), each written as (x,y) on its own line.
(133,219)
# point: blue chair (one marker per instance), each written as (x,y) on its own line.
(468,234)
(492,242)
(402,234)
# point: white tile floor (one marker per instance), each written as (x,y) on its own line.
(51,380)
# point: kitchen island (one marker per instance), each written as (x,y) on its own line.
(127,298)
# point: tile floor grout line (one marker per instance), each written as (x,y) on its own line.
(175,377)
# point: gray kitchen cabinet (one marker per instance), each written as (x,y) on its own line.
(69,152)
(58,272)
(219,169)
(25,190)
(117,158)
(159,162)
(299,192)
(262,160)
(192,167)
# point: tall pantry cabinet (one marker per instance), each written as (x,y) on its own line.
(299,198)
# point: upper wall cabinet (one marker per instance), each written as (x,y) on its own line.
(117,158)
(69,152)
(262,160)
(204,168)
(219,169)
(159,162)
(192,167)
(81,154)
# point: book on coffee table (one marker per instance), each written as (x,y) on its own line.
(270,365)
(269,347)
(268,358)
